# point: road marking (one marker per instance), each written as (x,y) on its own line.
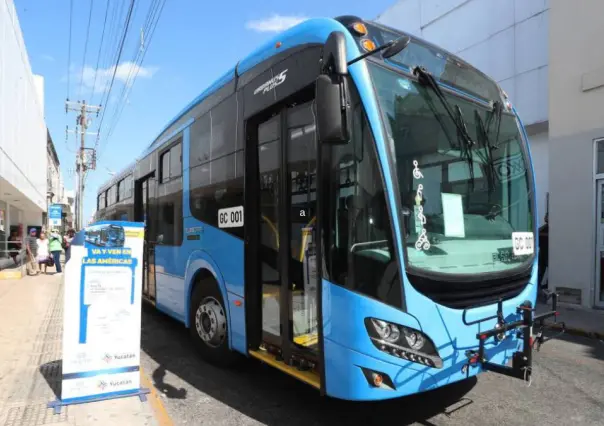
(161,415)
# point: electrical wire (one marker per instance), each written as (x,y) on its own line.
(151,24)
(85,48)
(117,61)
(96,70)
(69,49)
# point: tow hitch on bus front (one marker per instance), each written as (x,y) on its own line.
(521,360)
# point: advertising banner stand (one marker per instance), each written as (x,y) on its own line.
(102,315)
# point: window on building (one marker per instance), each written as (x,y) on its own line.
(600,156)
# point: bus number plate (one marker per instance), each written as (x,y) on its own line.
(523,243)
(231,217)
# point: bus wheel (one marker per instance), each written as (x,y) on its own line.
(208,324)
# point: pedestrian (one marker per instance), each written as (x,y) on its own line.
(31,246)
(55,246)
(43,257)
(67,239)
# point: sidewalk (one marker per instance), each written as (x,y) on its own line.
(31,314)
(578,320)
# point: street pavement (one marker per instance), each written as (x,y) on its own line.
(567,388)
(31,318)
(568,385)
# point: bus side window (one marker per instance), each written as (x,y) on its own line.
(362,252)
(217,166)
(169,200)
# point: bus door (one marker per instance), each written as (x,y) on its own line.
(280,240)
(145,194)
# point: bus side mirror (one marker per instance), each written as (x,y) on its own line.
(332,98)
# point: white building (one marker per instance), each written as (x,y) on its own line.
(23,134)
(546,54)
(55,191)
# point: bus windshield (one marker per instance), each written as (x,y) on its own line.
(464,188)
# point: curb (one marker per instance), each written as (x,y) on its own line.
(161,415)
(579,332)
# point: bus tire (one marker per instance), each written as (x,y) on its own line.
(209,324)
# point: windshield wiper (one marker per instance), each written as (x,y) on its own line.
(487,158)
(496,113)
(426,79)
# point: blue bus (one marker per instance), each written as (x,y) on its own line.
(349,204)
(108,235)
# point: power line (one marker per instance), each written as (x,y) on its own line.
(152,22)
(138,57)
(85,48)
(96,70)
(69,48)
(119,55)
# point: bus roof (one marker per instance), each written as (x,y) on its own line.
(314,30)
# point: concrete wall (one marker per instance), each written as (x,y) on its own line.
(508,40)
(576,111)
(22,127)
(577,72)
(39,84)
(572,217)
(539,145)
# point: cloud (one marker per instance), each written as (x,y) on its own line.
(48,58)
(275,23)
(103,76)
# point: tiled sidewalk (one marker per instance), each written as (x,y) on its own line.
(31,315)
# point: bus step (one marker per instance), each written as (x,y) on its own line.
(309,377)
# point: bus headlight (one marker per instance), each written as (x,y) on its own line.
(403,342)
(414,339)
(386,331)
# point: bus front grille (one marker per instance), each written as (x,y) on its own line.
(466,294)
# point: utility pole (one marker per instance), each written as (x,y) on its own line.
(85,157)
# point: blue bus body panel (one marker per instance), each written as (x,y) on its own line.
(347,345)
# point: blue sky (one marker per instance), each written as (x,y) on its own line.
(194,43)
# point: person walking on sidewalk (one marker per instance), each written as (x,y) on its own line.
(31,246)
(43,257)
(67,244)
(56,248)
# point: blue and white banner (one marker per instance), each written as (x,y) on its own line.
(102,314)
(55,213)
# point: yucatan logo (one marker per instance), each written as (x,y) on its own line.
(102,385)
(115,383)
(108,358)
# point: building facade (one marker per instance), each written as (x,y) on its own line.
(576,110)
(554,76)
(24,137)
(56,193)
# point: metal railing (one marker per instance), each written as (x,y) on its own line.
(12,258)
